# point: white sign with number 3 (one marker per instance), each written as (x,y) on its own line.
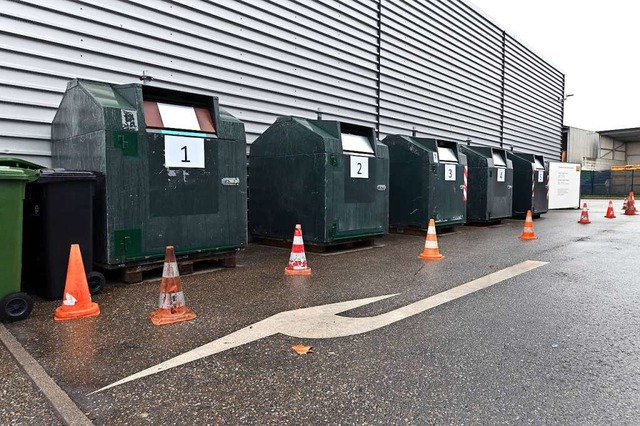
(183,152)
(501,174)
(359,167)
(450,172)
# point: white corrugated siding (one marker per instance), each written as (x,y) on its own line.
(439,68)
(533,98)
(263,59)
(441,71)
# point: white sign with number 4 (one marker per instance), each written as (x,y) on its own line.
(359,167)
(183,152)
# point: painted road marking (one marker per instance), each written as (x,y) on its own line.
(64,406)
(322,322)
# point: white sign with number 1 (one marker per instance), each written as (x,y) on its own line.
(183,152)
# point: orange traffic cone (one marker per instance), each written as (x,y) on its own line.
(76,301)
(584,217)
(171,306)
(630,209)
(610,213)
(297,261)
(527,233)
(431,251)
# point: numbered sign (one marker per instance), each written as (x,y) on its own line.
(502,173)
(183,152)
(541,176)
(359,167)
(449,172)
(435,157)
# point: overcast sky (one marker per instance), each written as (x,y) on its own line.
(595,43)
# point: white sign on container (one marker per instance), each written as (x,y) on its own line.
(502,173)
(183,152)
(449,172)
(359,167)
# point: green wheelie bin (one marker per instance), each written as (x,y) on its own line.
(14,304)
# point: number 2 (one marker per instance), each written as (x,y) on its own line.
(359,168)
(186,160)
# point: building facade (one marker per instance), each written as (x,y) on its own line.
(436,67)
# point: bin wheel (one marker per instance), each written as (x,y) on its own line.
(96,282)
(15,306)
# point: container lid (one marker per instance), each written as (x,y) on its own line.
(59,175)
(447,154)
(538,163)
(19,162)
(356,143)
(14,173)
(498,160)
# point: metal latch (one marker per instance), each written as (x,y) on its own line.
(462,186)
(229,181)
(381,187)
(509,186)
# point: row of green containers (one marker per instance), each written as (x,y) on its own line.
(174,167)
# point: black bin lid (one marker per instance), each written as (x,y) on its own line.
(63,175)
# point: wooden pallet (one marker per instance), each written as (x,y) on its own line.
(134,273)
(319,248)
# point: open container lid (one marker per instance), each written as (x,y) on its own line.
(538,162)
(446,154)
(356,143)
(498,159)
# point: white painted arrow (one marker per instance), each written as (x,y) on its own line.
(322,322)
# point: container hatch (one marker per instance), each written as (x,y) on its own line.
(498,159)
(538,163)
(161,115)
(356,143)
(446,154)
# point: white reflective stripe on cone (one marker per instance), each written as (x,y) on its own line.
(297,240)
(171,300)
(430,244)
(170,270)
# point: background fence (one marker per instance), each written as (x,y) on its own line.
(609,182)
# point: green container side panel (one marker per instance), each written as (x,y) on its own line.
(142,206)
(12,192)
(299,174)
(420,188)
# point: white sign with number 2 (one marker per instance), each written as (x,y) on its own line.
(359,167)
(183,152)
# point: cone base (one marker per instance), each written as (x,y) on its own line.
(160,318)
(430,256)
(306,271)
(611,216)
(528,237)
(63,312)
(630,213)
(584,222)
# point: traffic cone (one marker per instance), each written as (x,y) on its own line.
(584,217)
(171,305)
(297,261)
(610,213)
(625,203)
(431,251)
(76,301)
(527,233)
(630,209)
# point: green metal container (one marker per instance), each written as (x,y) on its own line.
(14,305)
(428,181)
(490,184)
(330,177)
(174,167)
(530,184)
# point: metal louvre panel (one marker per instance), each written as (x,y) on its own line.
(263,58)
(533,96)
(441,71)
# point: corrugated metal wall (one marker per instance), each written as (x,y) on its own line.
(436,65)
(533,101)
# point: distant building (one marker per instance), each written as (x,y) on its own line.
(600,150)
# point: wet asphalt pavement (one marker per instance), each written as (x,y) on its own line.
(556,345)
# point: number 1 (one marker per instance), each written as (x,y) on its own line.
(186,160)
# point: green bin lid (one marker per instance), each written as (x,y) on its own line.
(19,162)
(14,173)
